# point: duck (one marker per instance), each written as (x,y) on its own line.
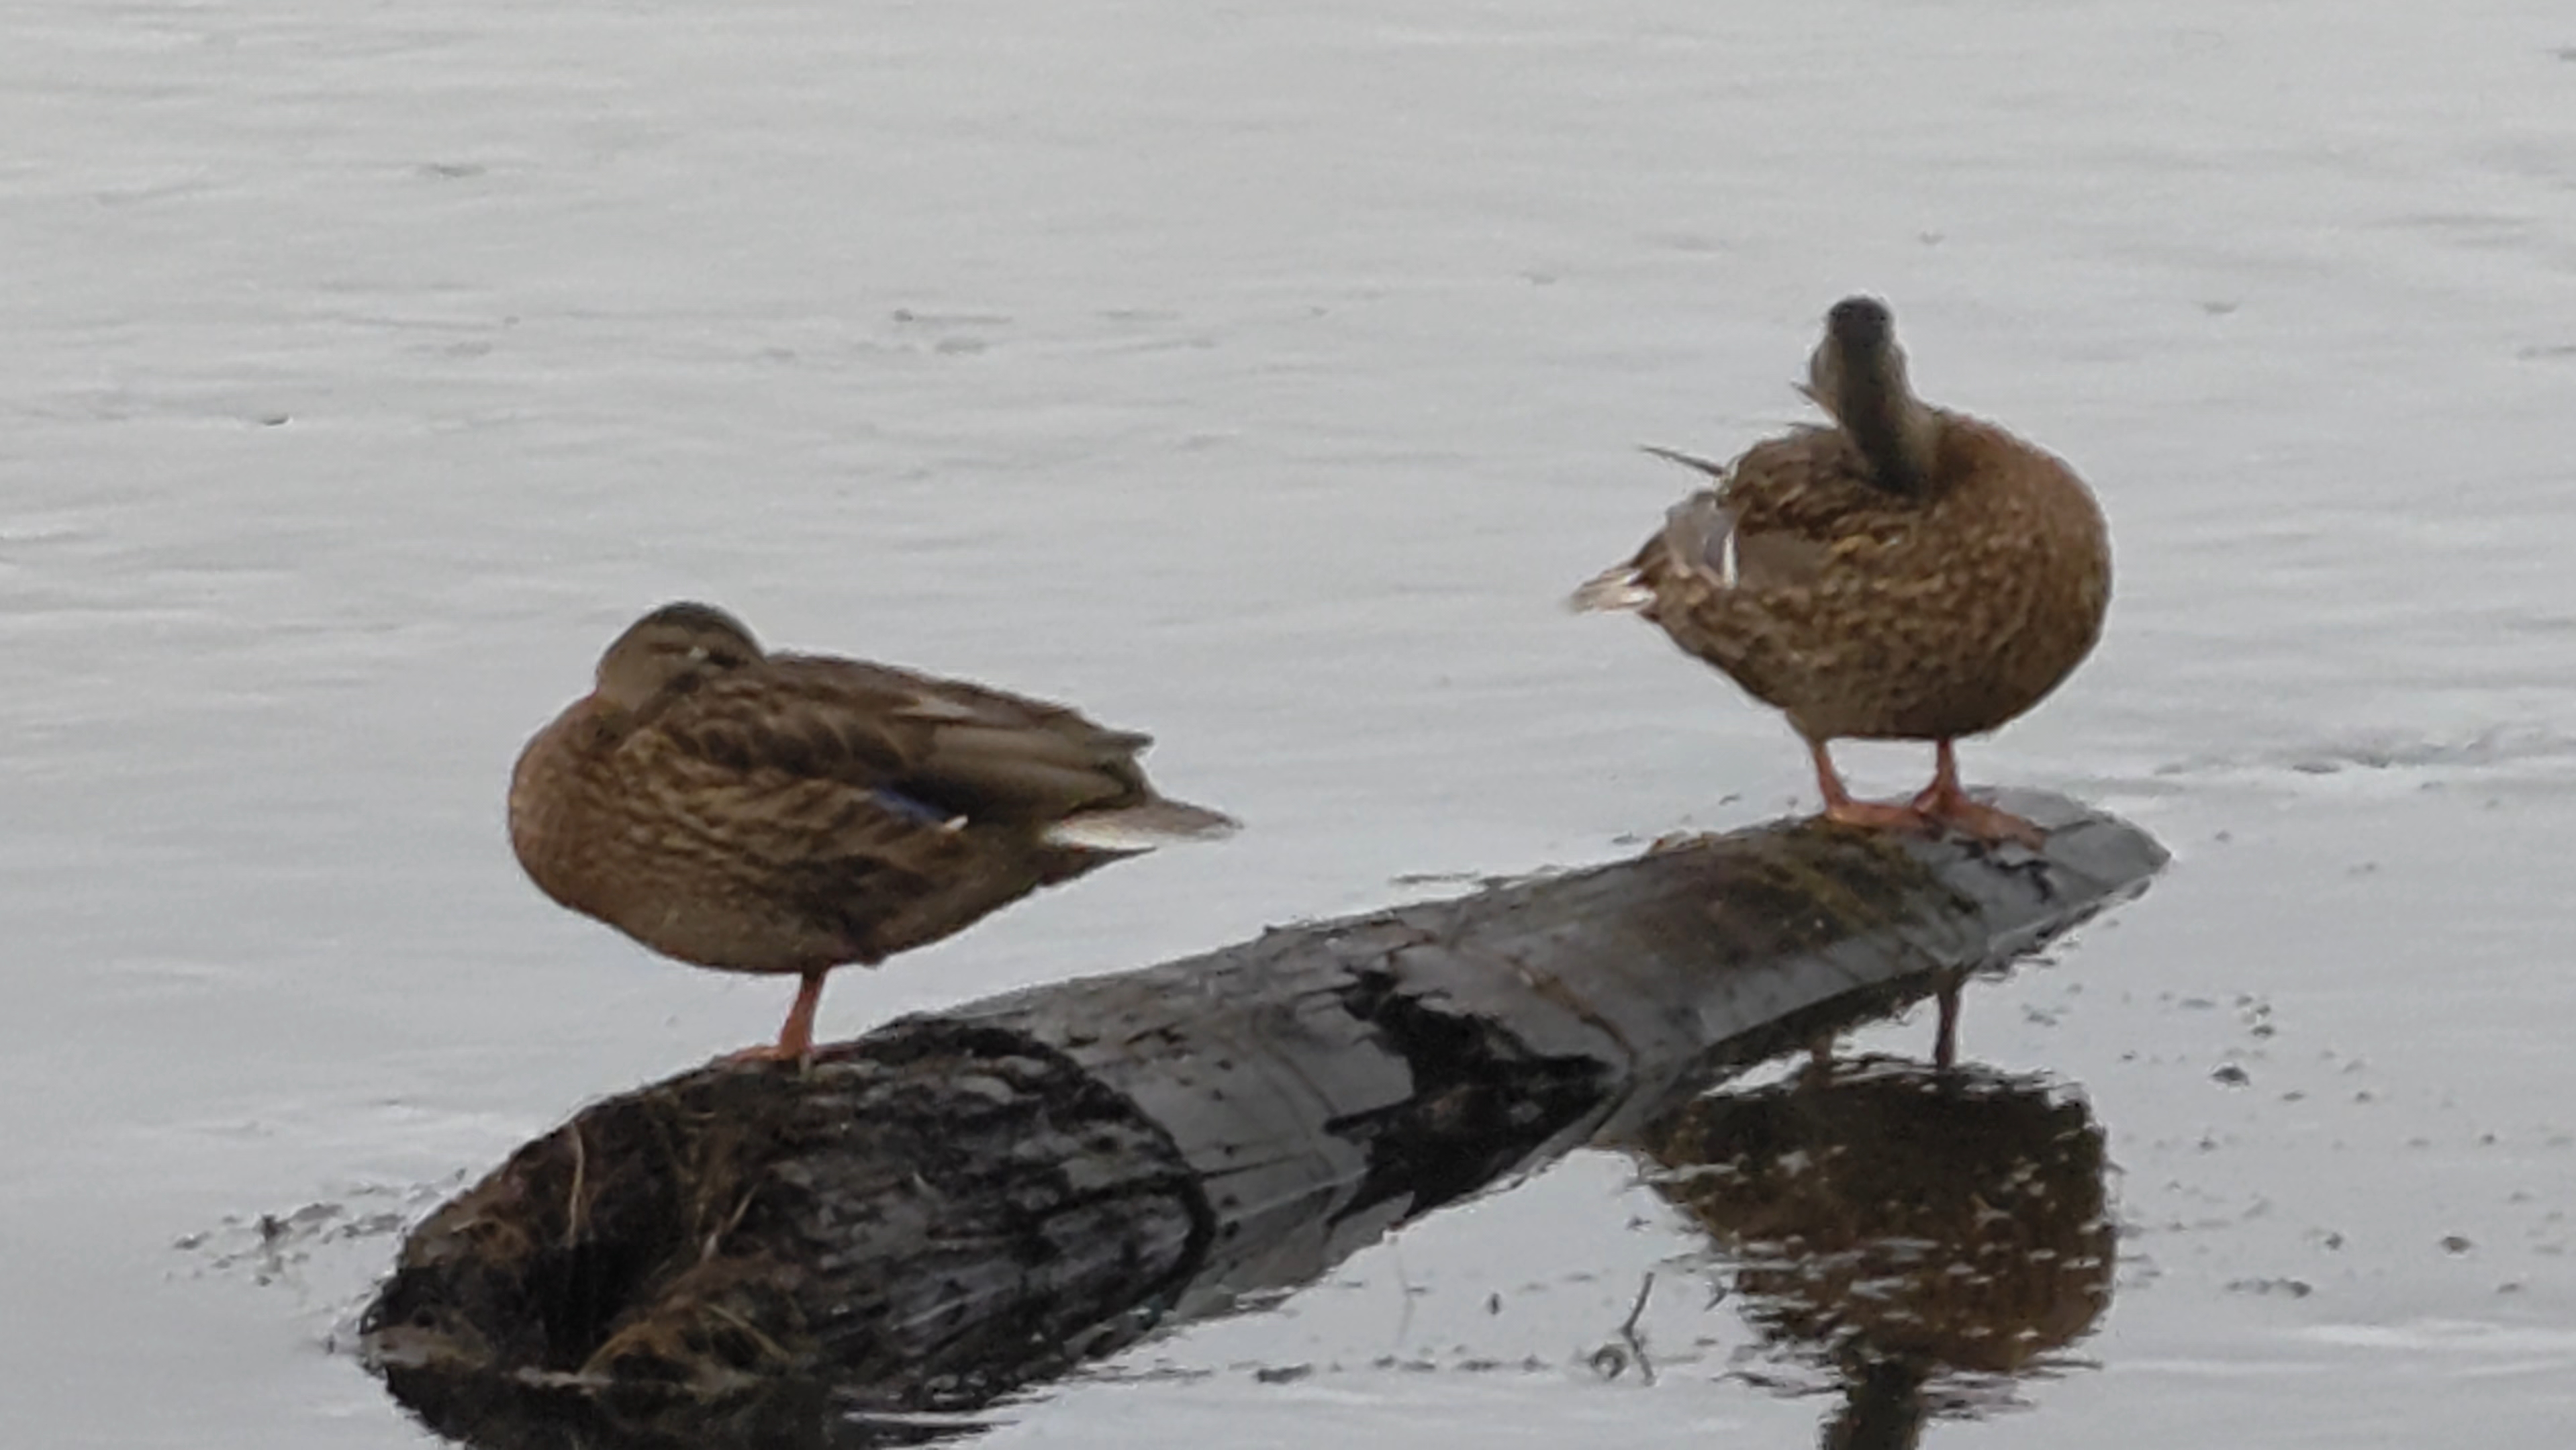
(1898,572)
(784,813)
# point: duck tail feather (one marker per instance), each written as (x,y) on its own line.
(1128,829)
(1610,591)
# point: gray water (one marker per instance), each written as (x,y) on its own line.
(1263,378)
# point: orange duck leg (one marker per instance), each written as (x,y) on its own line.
(796,1037)
(1942,803)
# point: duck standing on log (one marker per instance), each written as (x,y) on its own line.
(1907,573)
(787,813)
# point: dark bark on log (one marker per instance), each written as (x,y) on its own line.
(960,1204)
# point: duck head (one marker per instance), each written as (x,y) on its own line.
(675,645)
(1857,374)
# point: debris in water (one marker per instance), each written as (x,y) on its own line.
(2294,1288)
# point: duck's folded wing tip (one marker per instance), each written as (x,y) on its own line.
(1610,591)
(1143,827)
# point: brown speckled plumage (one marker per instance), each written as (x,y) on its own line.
(794,813)
(1903,573)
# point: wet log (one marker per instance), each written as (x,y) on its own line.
(965,1202)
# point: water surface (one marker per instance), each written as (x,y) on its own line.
(1262,378)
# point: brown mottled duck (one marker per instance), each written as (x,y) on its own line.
(1902,573)
(786,813)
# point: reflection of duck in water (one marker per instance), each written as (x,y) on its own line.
(1926,1237)
(1907,573)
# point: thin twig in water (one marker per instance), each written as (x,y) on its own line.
(1628,1334)
(1612,1360)
(1404,1295)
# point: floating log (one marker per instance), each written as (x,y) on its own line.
(966,1202)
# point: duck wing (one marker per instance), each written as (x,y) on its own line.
(1772,521)
(931,748)
(1798,509)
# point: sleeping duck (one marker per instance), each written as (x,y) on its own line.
(1902,573)
(786,813)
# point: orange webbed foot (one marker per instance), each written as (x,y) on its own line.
(1879,816)
(1990,825)
(768,1052)
(1947,805)
(1946,802)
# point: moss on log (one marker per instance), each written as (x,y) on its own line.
(962,1203)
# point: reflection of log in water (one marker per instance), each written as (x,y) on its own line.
(962,1203)
(1924,1236)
